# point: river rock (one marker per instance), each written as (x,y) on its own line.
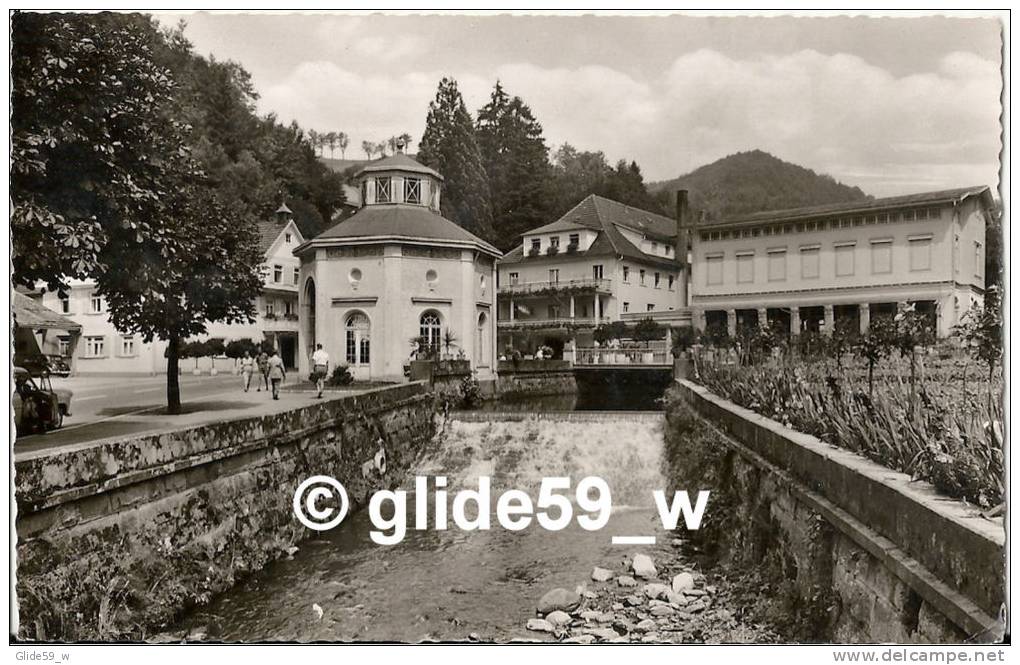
(558,618)
(677,598)
(604,633)
(645,626)
(579,639)
(558,599)
(683,582)
(317,611)
(663,611)
(696,592)
(540,626)
(617,607)
(601,574)
(633,601)
(656,590)
(696,606)
(650,637)
(643,566)
(591,615)
(626,580)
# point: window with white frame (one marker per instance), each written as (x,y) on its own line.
(65,305)
(626,306)
(596,272)
(286,238)
(845,259)
(536,244)
(127,345)
(574,239)
(979,260)
(64,346)
(514,278)
(383,190)
(554,275)
(288,307)
(714,269)
(270,308)
(412,190)
(670,281)
(881,256)
(641,277)
(809,260)
(554,241)
(650,308)
(626,274)
(777,265)
(96,304)
(920,253)
(297,275)
(277,273)
(95,346)
(745,267)
(656,280)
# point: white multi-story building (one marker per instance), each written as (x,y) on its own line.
(602,261)
(823,267)
(102,349)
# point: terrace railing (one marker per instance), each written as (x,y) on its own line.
(608,356)
(556,322)
(578,286)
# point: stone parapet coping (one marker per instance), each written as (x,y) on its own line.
(941,547)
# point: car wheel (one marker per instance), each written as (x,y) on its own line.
(58,420)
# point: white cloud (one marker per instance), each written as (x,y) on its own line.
(832,112)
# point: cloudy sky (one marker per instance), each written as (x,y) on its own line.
(891,105)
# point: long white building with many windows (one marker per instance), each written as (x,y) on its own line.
(824,267)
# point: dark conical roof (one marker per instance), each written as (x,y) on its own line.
(398,162)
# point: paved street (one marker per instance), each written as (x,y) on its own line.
(104,407)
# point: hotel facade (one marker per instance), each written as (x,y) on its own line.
(838,266)
(602,261)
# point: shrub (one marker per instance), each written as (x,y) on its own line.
(341,376)
(470,393)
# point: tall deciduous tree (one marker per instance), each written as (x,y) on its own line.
(449,146)
(92,145)
(210,270)
(517,164)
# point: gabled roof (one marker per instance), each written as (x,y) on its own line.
(852,207)
(398,162)
(30,313)
(396,221)
(269,231)
(606,216)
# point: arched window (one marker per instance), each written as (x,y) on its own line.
(482,341)
(358,331)
(429,329)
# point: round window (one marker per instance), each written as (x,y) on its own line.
(355,275)
(431,276)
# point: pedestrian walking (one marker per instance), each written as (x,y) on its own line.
(320,368)
(247,369)
(277,373)
(263,365)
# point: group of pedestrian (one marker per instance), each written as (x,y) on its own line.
(270,369)
(272,373)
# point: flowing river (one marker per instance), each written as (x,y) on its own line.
(452,584)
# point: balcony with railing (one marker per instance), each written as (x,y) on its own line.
(549,323)
(559,287)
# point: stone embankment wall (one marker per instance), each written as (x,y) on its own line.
(534,378)
(860,553)
(116,537)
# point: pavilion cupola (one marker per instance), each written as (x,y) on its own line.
(400,180)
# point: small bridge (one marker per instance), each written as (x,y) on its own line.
(630,358)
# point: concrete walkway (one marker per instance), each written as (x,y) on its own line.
(215,400)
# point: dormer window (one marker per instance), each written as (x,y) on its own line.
(383,190)
(412,190)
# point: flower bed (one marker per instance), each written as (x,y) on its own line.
(945,431)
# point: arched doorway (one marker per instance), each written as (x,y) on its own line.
(482,338)
(308,325)
(358,344)
(429,327)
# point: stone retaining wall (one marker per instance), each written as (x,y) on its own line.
(534,378)
(125,533)
(884,558)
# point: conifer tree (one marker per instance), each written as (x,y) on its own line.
(517,163)
(449,146)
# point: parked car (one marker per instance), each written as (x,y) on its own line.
(58,365)
(38,406)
